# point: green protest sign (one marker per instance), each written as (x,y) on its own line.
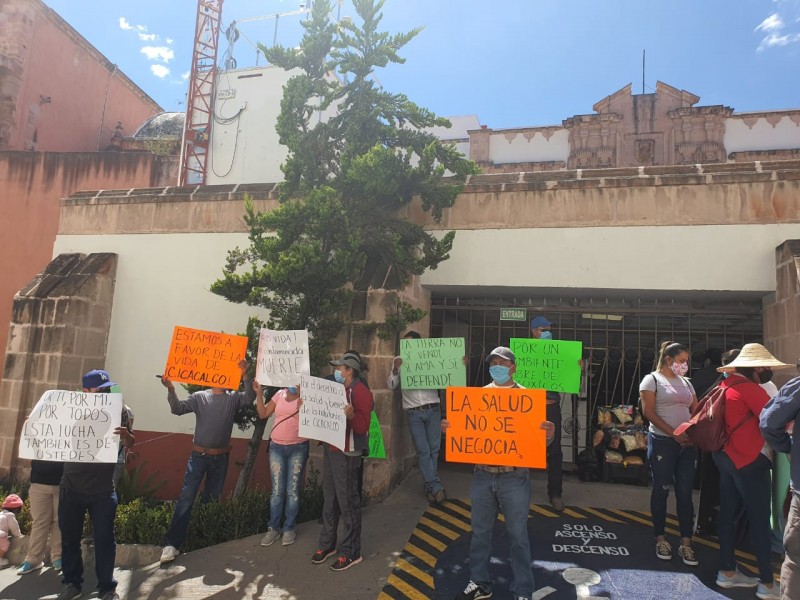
(432,364)
(376,447)
(548,364)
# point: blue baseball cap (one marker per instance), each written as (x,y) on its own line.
(97,379)
(537,322)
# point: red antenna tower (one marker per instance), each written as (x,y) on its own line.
(200,104)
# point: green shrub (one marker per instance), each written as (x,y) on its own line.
(142,522)
(132,485)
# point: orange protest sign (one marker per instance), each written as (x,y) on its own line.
(496,426)
(205,358)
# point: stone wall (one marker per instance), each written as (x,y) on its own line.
(59,330)
(782,310)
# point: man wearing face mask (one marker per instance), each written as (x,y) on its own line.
(341,470)
(540,330)
(498,489)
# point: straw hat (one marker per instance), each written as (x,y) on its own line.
(753,355)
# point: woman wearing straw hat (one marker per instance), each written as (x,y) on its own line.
(744,468)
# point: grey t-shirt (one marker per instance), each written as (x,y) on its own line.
(674,397)
(214,413)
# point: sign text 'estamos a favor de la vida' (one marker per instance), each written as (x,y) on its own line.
(206,358)
(496,426)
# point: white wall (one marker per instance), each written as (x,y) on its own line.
(763,136)
(514,147)
(247,149)
(713,257)
(162,281)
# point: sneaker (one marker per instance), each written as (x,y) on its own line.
(169,554)
(320,556)
(270,537)
(70,591)
(57,564)
(431,498)
(736,580)
(27,567)
(475,591)
(664,550)
(440,496)
(765,593)
(3,563)
(687,555)
(557,503)
(288,538)
(112,595)
(343,563)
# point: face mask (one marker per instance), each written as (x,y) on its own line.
(546,335)
(725,375)
(499,374)
(765,375)
(292,390)
(337,375)
(679,369)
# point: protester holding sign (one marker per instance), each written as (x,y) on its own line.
(89,486)
(288,453)
(498,489)
(424,416)
(341,470)
(668,399)
(214,411)
(540,330)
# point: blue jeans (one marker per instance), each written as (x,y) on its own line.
(425,425)
(671,464)
(72,507)
(214,469)
(509,493)
(749,486)
(286,464)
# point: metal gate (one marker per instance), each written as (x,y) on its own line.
(620,341)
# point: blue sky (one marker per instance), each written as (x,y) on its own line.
(513,63)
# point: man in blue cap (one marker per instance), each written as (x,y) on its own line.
(540,330)
(90,487)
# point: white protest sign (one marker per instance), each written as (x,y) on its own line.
(322,414)
(73,427)
(282,357)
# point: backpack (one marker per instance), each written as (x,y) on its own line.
(706,428)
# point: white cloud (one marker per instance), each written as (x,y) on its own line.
(169,40)
(159,71)
(124,25)
(161,53)
(774,40)
(771,23)
(185,76)
(148,37)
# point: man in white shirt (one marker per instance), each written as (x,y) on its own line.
(425,424)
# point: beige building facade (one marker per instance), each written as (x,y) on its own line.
(618,258)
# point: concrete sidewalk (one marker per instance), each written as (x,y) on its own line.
(242,569)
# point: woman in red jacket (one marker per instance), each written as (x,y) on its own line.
(744,466)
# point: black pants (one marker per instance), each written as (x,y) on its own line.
(340,475)
(555,455)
